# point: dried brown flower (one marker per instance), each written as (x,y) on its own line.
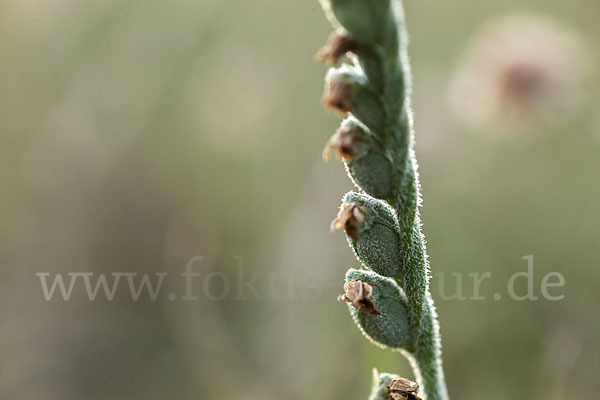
(403,389)
(339,43)
(359,294)
(338,95)
(349,219)
(344,141)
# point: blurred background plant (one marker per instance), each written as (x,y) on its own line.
(519,70)
(136,135)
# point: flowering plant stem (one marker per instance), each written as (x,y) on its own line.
(389,298)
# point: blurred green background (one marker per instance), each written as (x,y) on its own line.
(135,135)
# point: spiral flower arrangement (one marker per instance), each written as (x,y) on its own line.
(389,297)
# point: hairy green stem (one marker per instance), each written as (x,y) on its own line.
(428,357)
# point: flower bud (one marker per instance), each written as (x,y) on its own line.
(347,90)
(389,327)
(372,231)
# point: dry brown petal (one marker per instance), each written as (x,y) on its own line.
(337,45)
(338,95)
(403,389)
(349,219)
(359,294)
(344,141)
(367,306)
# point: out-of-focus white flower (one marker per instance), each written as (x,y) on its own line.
(517,69)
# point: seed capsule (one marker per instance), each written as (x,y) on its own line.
(372,230)
(386,324)
(367,163)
